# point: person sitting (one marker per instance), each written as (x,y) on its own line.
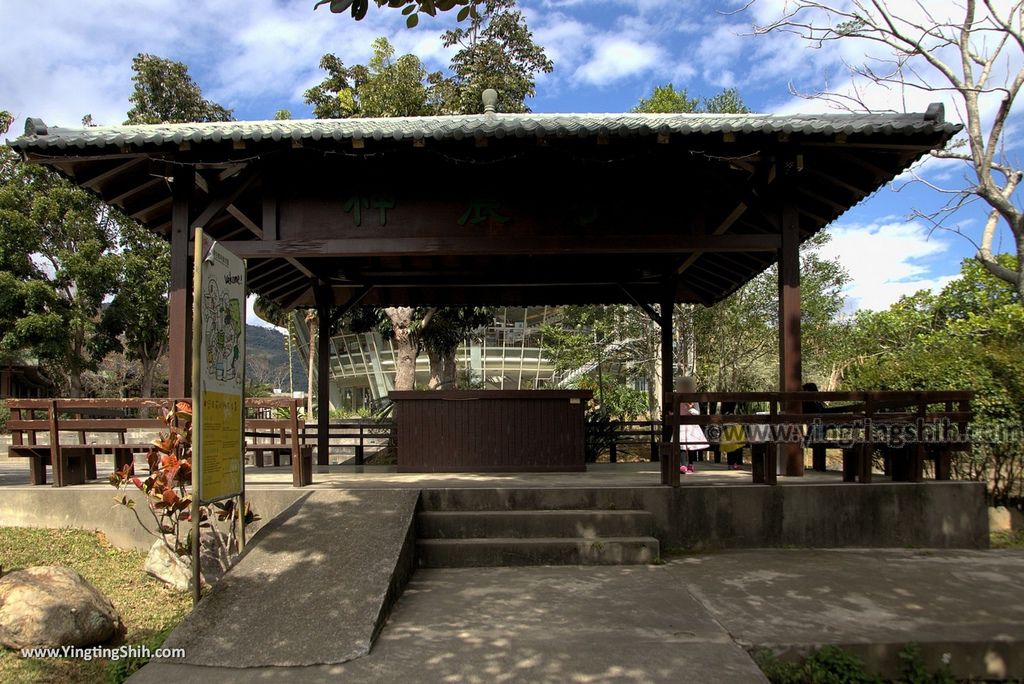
(733,439)
(692,440)
(815,430)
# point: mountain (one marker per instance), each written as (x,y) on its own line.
(267,359)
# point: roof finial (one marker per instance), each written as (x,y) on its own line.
(936,112)
(490,97)
(35,127)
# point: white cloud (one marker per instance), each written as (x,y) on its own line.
(886,261)
(616,58)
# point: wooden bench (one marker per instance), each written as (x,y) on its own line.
(909,428)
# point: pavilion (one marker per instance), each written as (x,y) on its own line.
(497,209)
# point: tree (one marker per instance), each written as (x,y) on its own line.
(449,327)
(56,268)
(976,57)
(135,322)
(965,337)
(383,87)
(334,97)
(667,100)
(496,50)
(164,92)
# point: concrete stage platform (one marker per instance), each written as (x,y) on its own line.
(714,509)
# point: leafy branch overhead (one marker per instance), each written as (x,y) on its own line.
(410,8)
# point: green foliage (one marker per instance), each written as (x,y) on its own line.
(410,8)
(165,92)
(916,672)
(5,415)
(168,490)
(334,97)
(57,266)
(665,99)
(135,321)
(600,433)
(384,87)
(282,115)
(120,670)
(830,665)
(393,87)
(496,50)
(968,336)
(1007,539)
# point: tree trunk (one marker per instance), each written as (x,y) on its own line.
(448,378)
(654,383)
(437,369)
(146,384)
(311,326)
(405,346)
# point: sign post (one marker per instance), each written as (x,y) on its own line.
(218,384)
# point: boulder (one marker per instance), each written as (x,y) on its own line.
(53,606)
(177,570)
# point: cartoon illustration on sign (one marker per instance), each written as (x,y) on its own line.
(222,334)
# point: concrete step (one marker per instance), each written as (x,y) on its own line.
(509,551)
(584,524)
(565,498)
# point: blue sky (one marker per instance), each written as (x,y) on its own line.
(68,58)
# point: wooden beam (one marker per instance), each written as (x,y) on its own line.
(324,302)
(647,308)
(224,195)
(289,300)
(119,198)
(483,245)
(300,267)
(821,199)
(790,364)
(140,214)
(858,192)
(242,218)
(116,170)
(179,371)
(349,305)
(670,459)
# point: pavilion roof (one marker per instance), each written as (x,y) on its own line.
(39,136)
(600,208)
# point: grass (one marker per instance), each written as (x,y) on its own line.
(1007,539)
(148,608)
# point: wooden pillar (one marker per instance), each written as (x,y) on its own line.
(324,300)
(179,301)
(670,457)
(790,366)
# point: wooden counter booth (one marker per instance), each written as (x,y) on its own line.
(491,430)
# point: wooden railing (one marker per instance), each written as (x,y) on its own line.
(271,425)
(908,428)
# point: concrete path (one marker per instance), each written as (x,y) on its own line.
(965,609)
(534,624)
(313,588)
(688,620)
